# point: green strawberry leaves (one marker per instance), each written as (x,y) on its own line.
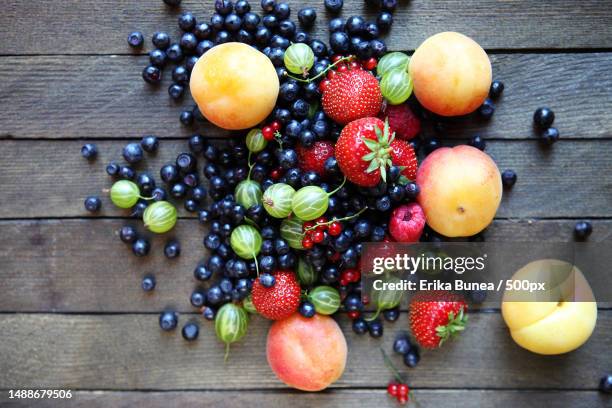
(380,150)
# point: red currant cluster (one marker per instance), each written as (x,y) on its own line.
(349,276)
(369,64)
(399,391)
(316,230)
(269,131)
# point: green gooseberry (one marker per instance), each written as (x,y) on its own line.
(325,299)
(310,202)
(245,241)
(124,193)
(277,200)
(392,60)
(396,86)
(299,58)
(160,217)
(231,323)
(248,193)
(255,141)
(291,231)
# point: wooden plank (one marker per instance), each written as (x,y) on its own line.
(549,180)
(82,266)
(101,26)
(106,97)
(131,352)
(336,398)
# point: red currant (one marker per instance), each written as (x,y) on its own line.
(276,174)
(353,314)
(335,257)
(365,299)
(402,399)
(354,65)
(336,58)
(321,220)
(307,225)
(392,387)
(343,282)
(370,64)
(268,133)
(318,237)
(330,74)
(323,85)
(275,126)
(342,68)
(307,243)
(402,390)
(335,228)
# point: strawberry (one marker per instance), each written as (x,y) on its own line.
(366,148)
(313,158)
(351,95)
(281,300)
(402,120)
(436,316)
(407,222)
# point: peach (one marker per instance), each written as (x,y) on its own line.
(234,85)
(307,353)
(451,74)
(461,190)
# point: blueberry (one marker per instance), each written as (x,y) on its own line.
(148,283)
(497,87)
(212,241)
(508,178)
(372,31)
(232,22)
(378,47)
(244,36)
(355,25)
(132,153)
(402,345)
(202,273)
(204,46)
(478,142)
(276,56)
(223,7)
(159,194)
(582,230)
(301,37)
(145,183)
(336,24)
(487,109)
(135,39)
(198,193)
(333,6)
(389,5)
(188,42)
(128,234)
(186,162)
(300,108)
(250,21)
(172,3)
(141,247)
(209,313)
(383,203)
(186,117)
(287,158)
(331,274)
(152,75)
(307,309)
(174,53)
(89,151)
(267,280)
(378,234)
(605,384)
(281,247)
(287,261)
(550,135)
(287,28)
(242,7)
(197,298)
(278,41)
(187,21)
(543,117)
(282,11)
(161,40)
(270,21)
(172,249)
(307,16)
(375,328)
(412,190)
(180,75)
(268,232)
(289,91)
(268,5)
(360,326)
(93,204)
(282,115)
(149,143)
(363,50)
(169,173)
(352,302)
(112,168)
(397,193)
(412,357)
(190,331)
(384,21)
(139,208)
(178,190)
(214,295)
(168,320)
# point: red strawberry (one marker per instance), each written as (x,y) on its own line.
(407,222)
(351,95)
(366,148)
(402,120)
(436,316)
(313,158)
(281,300)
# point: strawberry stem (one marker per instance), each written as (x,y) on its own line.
(455,325)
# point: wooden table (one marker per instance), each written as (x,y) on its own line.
(72,314)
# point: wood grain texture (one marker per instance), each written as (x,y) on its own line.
(339,398)
(103,96)
(131,352)
(82,266)
(101,26)
(571,179)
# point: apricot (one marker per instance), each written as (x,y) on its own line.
(307,353)
(461,190)
(451,74)
(234,85)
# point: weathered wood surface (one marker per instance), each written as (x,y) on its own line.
(82,266)
(340,398)
(570,179)
(101,26)
(104,96)
(118,352)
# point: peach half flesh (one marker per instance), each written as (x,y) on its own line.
(234,85)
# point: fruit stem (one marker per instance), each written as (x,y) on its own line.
(391,367)
(371,318)
(337,188)
(277,137)
(350,57)
(348,217)
(251,165)
(227,350)
(256,264)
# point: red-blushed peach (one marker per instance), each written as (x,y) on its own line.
(234,85)
(451,74)
(461,190)
(307,353)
